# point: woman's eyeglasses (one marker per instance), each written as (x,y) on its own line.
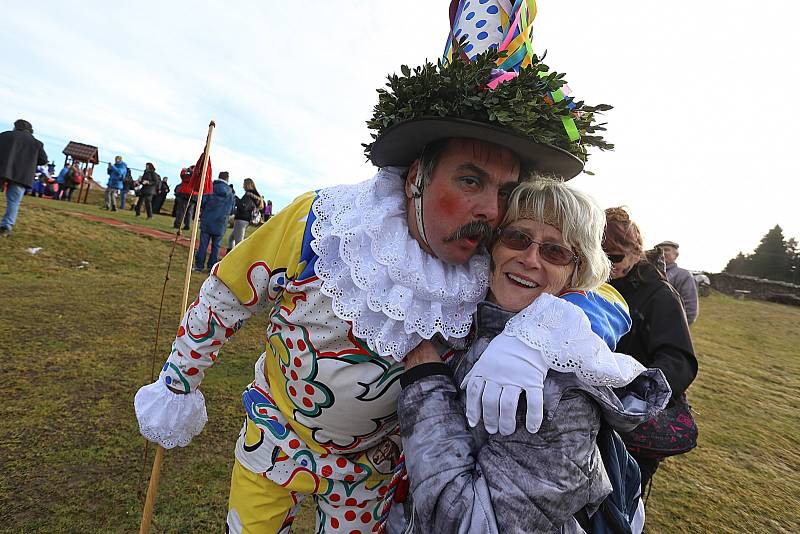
(550,252)
(616,258)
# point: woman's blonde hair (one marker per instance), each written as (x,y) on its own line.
(579,218)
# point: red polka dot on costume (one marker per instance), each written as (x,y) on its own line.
(382,490)
(301,344)
(181,331)
(350,502)
(229,332)
(341,462)
(192,371)
(363,504)
(293,375)
(334,522)
(196,355)
(216,343)
(289,343)
(307,402)
(309,389)
(334,497)
(297,362)
(292,391)
(293,443)
(366,517)
(358,468)
(349,478)
(327,470)
(350,515)
(355,532)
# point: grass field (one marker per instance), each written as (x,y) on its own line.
(78,342)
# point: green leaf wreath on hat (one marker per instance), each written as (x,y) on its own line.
(506,88)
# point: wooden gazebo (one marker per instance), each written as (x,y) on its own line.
(87,157)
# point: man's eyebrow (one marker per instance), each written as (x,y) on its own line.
(472,169)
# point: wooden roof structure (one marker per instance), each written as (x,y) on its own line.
(82,152)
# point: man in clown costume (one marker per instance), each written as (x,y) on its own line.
(353,277)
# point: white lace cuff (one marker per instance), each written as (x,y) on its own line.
(168,418)
(562,333)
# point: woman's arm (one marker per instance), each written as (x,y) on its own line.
(666,339)
(520,483)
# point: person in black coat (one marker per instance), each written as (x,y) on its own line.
(20,152)
(659,336)
(161,195)
(150,181)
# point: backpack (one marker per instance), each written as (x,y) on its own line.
(255,216)
(617,513)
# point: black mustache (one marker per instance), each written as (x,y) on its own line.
(475,229)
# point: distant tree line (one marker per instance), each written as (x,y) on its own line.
(775,258)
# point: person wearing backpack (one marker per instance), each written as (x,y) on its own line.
(659,338)
(150,181)
(248,211)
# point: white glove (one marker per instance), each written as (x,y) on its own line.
(168,418)
(506,368)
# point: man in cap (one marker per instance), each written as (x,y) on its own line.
(20,153)
(353,277)
(681,279)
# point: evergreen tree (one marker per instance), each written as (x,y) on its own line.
(771,259)
(774,259)
(738,265)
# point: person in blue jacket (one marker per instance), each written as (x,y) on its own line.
(215,211)
(116,178)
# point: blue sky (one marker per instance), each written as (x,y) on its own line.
(702,93)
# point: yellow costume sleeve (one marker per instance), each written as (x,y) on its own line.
(261,265)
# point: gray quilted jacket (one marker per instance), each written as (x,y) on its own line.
(466,480)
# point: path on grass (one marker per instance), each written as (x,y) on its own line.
(141,230)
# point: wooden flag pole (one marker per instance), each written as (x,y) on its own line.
(155,475)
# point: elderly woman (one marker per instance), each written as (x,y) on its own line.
(465,479)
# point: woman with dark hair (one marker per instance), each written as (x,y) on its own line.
(150,181)
(250,203)
(659,337)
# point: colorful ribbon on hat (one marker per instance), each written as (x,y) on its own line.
(516,25)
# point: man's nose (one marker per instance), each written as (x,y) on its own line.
(488,207)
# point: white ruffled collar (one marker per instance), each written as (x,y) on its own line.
(379,278)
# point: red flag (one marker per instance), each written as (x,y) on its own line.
(195,182)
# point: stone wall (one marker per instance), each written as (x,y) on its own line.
(759,288)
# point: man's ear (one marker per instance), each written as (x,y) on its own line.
(411,177)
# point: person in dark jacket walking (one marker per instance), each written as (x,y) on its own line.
(20,152)
(250,203)
(659,336)
(127,185)
(150,181)
(215,210)
(161,196)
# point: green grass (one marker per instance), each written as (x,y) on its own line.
(78,342)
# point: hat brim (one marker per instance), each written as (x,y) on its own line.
(402,143)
